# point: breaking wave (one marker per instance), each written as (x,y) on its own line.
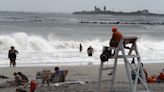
(25,42)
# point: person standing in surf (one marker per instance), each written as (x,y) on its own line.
(12,56)
(81,48)
(90,51)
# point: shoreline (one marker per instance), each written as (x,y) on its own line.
(72,64)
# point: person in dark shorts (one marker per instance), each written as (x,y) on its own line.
(12,56)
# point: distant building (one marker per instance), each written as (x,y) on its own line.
(97,9)
(104,8)
(145,12)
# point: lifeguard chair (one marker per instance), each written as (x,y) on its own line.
(131,42)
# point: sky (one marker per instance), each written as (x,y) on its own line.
(69,6)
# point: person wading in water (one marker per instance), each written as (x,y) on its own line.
(12,56)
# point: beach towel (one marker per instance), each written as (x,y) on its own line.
(69,82)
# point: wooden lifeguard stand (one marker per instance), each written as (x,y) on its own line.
(125,55)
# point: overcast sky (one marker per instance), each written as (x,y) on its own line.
(69,6)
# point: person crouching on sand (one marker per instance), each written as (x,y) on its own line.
(18,79)
(24,77)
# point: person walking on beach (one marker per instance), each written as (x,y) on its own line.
(81,48)
(90,51)
(12,56)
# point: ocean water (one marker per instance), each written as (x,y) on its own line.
(53,39)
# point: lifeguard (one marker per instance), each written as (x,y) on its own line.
(116,37)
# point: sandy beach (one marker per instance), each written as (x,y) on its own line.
(85,73)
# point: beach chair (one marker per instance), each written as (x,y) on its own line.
(46,74)
(38,76)
(59,77)
(126,54)
(42,76)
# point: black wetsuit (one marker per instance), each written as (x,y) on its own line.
(12,55)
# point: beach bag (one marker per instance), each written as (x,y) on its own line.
(161,76)
(152,79)
(103,57)
(106,54)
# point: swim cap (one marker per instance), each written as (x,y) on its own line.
(114,29)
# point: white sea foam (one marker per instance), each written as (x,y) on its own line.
(26,43)
(35,50)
